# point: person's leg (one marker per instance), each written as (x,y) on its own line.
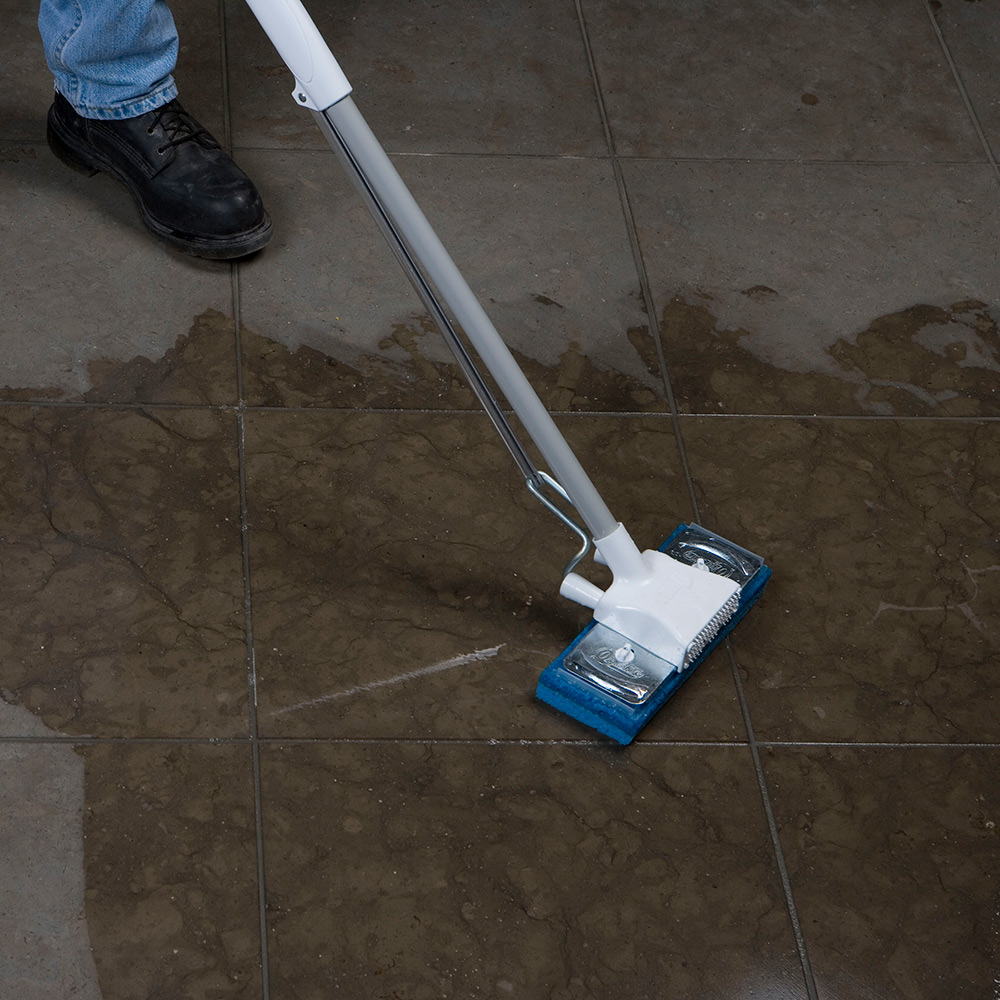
(116,110)
(111,59)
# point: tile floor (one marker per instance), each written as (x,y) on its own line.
(274,603)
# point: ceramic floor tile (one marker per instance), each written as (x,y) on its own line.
(431,77)
(330,318)
(443,871)
(170,865)
(121,566)
(27,93)
(972,34)
(892,857)
(406,583)
(98,310)
(880,623)
(799,80)
(824,288)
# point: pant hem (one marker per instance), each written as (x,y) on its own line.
(133,108)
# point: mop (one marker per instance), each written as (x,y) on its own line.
(665,609)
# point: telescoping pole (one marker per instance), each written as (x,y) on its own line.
(321,86)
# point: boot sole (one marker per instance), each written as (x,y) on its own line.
(87,161)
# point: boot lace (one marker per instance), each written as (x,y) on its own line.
(179,127)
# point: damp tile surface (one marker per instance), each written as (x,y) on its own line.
(880,622)
(430,871)
(120,562)
(893,859)
(171,871)
(921,361)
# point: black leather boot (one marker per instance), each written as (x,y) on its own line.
(187,190)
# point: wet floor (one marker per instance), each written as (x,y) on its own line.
(276,601)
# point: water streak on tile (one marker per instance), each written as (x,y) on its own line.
(476,656)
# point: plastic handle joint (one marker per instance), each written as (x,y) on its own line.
(319,80)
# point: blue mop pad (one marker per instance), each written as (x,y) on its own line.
(613,716)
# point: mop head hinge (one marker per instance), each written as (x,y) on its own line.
(669,606)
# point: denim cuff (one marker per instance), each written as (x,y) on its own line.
(163,94)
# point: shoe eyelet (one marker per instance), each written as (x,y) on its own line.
(161,150)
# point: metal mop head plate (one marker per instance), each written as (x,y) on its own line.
(610,683)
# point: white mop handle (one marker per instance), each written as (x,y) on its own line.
(319,80)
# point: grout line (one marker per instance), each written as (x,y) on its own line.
(475,742)
(599,743)
(39,142)
(252,686)
(444,411)
(234,271)
(874,745)
(866,417)
(602,110)
(224,60)
(84,404)
(772,825)
(960,83)
(792,161)
(639,263)
(587,742)
(84,741)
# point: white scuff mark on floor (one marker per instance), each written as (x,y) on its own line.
(884,606)
(965,607)
(44,944)
(434,668)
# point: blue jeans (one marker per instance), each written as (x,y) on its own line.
(111,59)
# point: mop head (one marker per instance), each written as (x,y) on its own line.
(610,683)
